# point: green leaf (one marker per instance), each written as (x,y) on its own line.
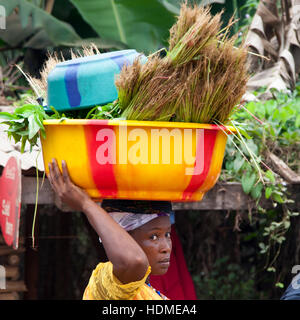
(43,133)
(248,181)
(276,197)
(287,224)
(28,109)
(142,25)
(8,116)
(256,191)
(279,285)
(272,131)
(252,146)
(58,31)
(23,133)
(245,134)
(38,118)
(268,192)
(15,127)
(280,239)
(237,163)
(269,174)
(297,123)
(263,247)
(16,137)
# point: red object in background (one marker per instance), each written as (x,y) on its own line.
(177,283)
(10,202)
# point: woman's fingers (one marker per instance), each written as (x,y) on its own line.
(55,176)
(65,172)
(63,186)
(56,173)
(51,174)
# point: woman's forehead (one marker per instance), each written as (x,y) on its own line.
(162,222)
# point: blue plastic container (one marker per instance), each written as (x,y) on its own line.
(87,81)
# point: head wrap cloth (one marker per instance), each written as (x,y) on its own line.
(132,214)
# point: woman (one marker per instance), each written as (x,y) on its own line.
(136,244)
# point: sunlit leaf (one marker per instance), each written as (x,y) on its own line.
(142,25)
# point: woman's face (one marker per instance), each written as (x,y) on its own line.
(155,239)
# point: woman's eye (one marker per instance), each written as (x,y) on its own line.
(154,237)
(168,234)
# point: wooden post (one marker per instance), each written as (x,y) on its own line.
(4,250)
(13,260)
(12,272)
(14,286)
(9,296)
(10,259)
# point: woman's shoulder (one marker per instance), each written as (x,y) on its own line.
(103,285)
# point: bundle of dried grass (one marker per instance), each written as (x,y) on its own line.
(186,19)
(148,92)
(126,83)
(200,80)
(52,60)
(214,85)
(195,31)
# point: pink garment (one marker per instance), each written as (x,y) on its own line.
(177,283)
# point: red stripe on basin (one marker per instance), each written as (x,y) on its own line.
(205,159)
(99,137)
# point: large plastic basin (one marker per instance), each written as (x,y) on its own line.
(142,160)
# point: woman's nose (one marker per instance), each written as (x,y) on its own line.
(166,245)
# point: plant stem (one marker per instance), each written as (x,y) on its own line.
(23,143)
(36,201)
(235,7)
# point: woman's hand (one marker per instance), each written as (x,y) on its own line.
(67,191)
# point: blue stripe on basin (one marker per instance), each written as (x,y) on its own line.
(120,60)
(72,85)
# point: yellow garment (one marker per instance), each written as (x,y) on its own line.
(103,285)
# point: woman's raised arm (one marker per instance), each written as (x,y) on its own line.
(130,263)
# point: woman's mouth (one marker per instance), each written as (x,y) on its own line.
(165,262)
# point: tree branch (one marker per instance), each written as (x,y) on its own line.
(283,169)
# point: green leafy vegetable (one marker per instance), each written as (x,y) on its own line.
(25,124)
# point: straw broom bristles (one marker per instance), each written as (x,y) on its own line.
(126,83)
(187,18)
(154,92)
(201,80)
(214,85)
(203,30)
